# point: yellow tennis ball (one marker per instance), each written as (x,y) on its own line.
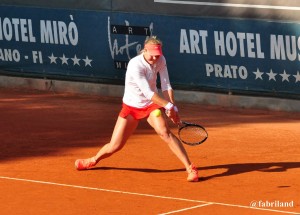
(157,112)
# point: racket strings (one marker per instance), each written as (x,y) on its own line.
(192,134)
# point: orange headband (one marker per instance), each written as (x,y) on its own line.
(154,49)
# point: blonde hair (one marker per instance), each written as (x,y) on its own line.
(153,40)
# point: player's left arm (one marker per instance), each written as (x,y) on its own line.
(168,92)
(169,95)
(165,80)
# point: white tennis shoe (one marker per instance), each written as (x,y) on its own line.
(82,164)
(192,173)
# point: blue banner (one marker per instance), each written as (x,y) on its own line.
(229,55)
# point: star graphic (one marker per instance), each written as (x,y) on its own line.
(52,58)
(64,60)
(285,76)
(272,75)
(258,74)
(75,60)
(87,61)
(297,77)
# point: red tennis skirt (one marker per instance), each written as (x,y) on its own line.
(137,113)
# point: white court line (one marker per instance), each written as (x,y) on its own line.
(254,6)
(143,194)
(186,209)
(100,189)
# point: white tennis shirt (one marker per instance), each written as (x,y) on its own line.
(140,81)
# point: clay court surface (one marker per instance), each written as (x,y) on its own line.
(249,165)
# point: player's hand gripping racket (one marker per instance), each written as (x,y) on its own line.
(192,134)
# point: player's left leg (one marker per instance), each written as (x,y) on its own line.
(161,127)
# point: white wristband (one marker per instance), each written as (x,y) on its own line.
(175,108)
(169,106)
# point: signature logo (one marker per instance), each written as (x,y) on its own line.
(122,45)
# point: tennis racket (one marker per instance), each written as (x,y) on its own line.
(192,134)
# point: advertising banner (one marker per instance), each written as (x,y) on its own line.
(214,54)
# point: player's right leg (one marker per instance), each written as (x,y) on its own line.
(123,129)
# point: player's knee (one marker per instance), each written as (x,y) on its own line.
(164,134)
(113,148)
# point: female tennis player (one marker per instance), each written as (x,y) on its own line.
(141,100)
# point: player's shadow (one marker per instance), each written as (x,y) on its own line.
(229,169)
(148,170)
(235,169)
